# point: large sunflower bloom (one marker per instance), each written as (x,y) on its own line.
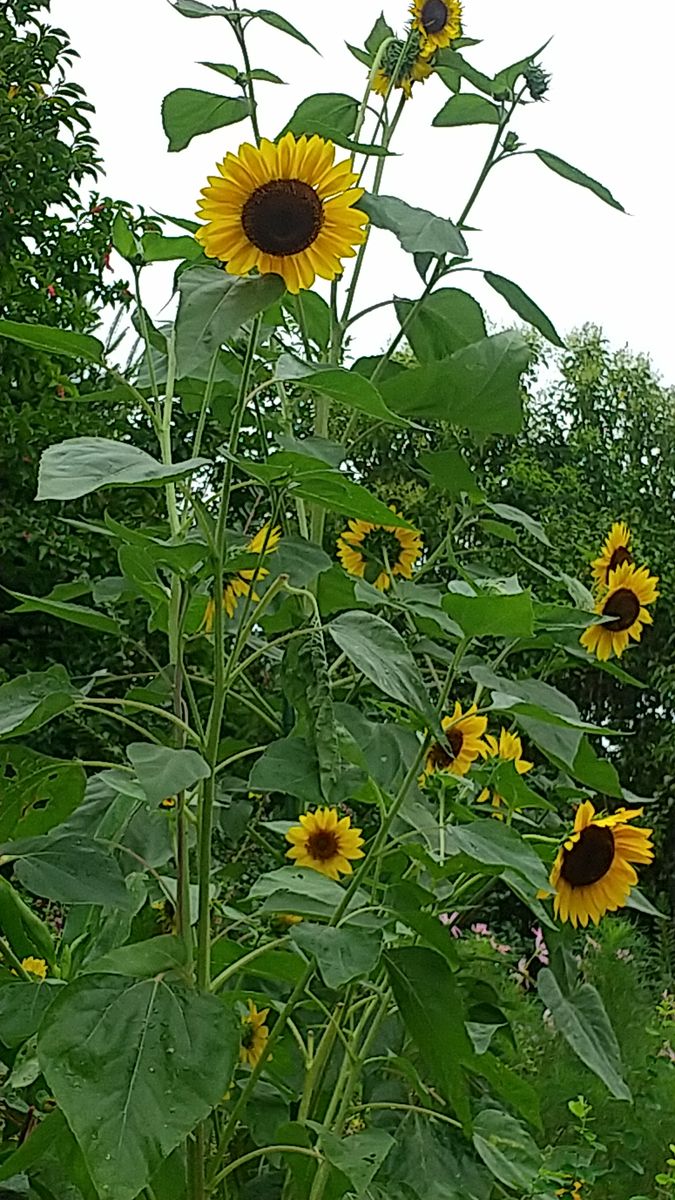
(284,209)
(438,22)
(462,745)
(325,843)
(255,1035)
(241,583)
(614,553)
(510,749)
(630,589)
(377,552)
(592,873)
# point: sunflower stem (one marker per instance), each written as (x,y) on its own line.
(249,90)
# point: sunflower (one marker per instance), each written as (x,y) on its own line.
(462,746)
(510,749)
(572,1191)
(377,552)
(630,588)
(592,873)
(438,23)
(325,843)
(35,966)
(285,209)
(255,1035)
(416,71)
(240,583)
(615,552)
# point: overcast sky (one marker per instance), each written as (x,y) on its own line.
(608,114)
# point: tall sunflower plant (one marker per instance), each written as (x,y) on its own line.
(228,967)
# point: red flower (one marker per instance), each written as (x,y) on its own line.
(51,291)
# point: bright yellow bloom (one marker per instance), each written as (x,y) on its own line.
(241,582)
(417,72)
(255,1035)
(283,208)
(462,746)
(438,22)
(377,552)
(592,873)
(510,748)
(573,1192)
(325,843)
(630,589)
(35,966)
(615,552)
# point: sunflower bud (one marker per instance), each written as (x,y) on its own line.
(537,81)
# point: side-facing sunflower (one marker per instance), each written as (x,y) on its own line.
(630,589)
(510,749)
(255,1035)
(377,552)
(283,208)
(592,873)
(462,746)
(438,22)
(614,553)
(241,583)
(405,64)
(325,843)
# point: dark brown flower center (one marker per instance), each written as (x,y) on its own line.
(323,845)
(283,217)
(434,16)
(621,555)
(624,607)
(381,549)
(248,1037)
(590,858)
(443,754)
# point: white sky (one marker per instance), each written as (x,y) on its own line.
(608,114)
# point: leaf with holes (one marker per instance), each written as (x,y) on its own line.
(37,792)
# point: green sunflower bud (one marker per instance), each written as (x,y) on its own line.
(537,81)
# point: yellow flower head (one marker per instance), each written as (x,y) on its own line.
(241,583)
(630,589)
(615,552)
(592,873)
(283,208)
(417,72)
(573,1192)
(510,749)
(438,22)
(325,843)
(255,1035)
(35,966)
(377,552)
(462,746)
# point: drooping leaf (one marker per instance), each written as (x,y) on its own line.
(381,654)
(491,615)
(445,321)
(576,176)
(581,1018)
(187,112)
(77,614)
(54,341)
(278,22)
(507,1149)
(298,890)
(306,685)
(333,116)
(467,109)
(347,387)
(68,869)
(82,465)
(212,308)
(163,772)
(33,699)
(525,307)
(288,765)
(453,59)
(516,516)
(343,954)
(418,231)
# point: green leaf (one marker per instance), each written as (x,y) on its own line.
(67,868)
(159,248)
(507,1149)
(581,1018)
(78,614)
(349,388)
(37,792)
(525,307)
(135,1066)
(418,231)
(504,1082)
(333,116)
(451,473)
(381,654)
(297,890)
(305,684)
(142,960)
(359,1156)
(336,492)
(491,615)
(82,465)
(163,772)
(23,929)
(289,766)
(451,58)
(54,341)
(378,34)
(467,109)
(517,517)
(495,844)
(187,112)
(444,322)
(22,1007)
(123,238)
(31,700)
(575,176)
(430,1004)
(212,308)
(277,964)
(279,22)
(343,954)
(312,315)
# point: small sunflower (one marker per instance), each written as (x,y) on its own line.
(438,23)
(377,552)
(630,589)
(283,208)
(571,1191)
(592,873)
(510,749)
(415,71)
(462,746)
(35,966)
(240,583)
(255,1035)
(325,843)
(615,552)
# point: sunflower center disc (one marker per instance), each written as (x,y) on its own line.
(590,858)
(322,845)
(440,757)
(621,555)
(283,217)
(434,16)
(624,607)
(248,1038)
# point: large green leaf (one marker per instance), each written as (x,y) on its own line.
(467,109)
(31,700)
(429,1162)
(51,1157)
(333,116)
(451,473)
(493,615)
(343,954)
(358,1157)
(516,516)
(163,772)
(349,388)
(443,322)
(67,868)
(142,960)
(305,684)
(135,1065)
(507,1149)
(213,307)
(581,1018)
(54,341)
(77,614)
(576,176)
(298,890)
(187,112)
(336,492)
(157,247)
(37,792)
(381,654)
(418,231)
(525,307)
(494,844)
(22,1007)
(81,465)
(26,933)
(289,766)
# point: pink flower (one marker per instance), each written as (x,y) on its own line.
(449,919)
(501,949)
(540,947)
(481,929)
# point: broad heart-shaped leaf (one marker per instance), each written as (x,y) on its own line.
(429,1163)
(187,112)
(492,615)
(163,772)
(444,322)
(451,473)
(495,844)
(526,308)
(477,388)
(54,341)
(334,491)
(31,700)
(581,1018)
(576,176)
(359,1156)
(135,1066)
(333,116)
(142,960)
(22,1007)
(381,654)
(77,614)
(467,109)
(418,231)
(82,465)
(347,387)
(507,1149)
(430,1004)
(67,868)
(289,765)
(213,307)
(37,792)
(341,954)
